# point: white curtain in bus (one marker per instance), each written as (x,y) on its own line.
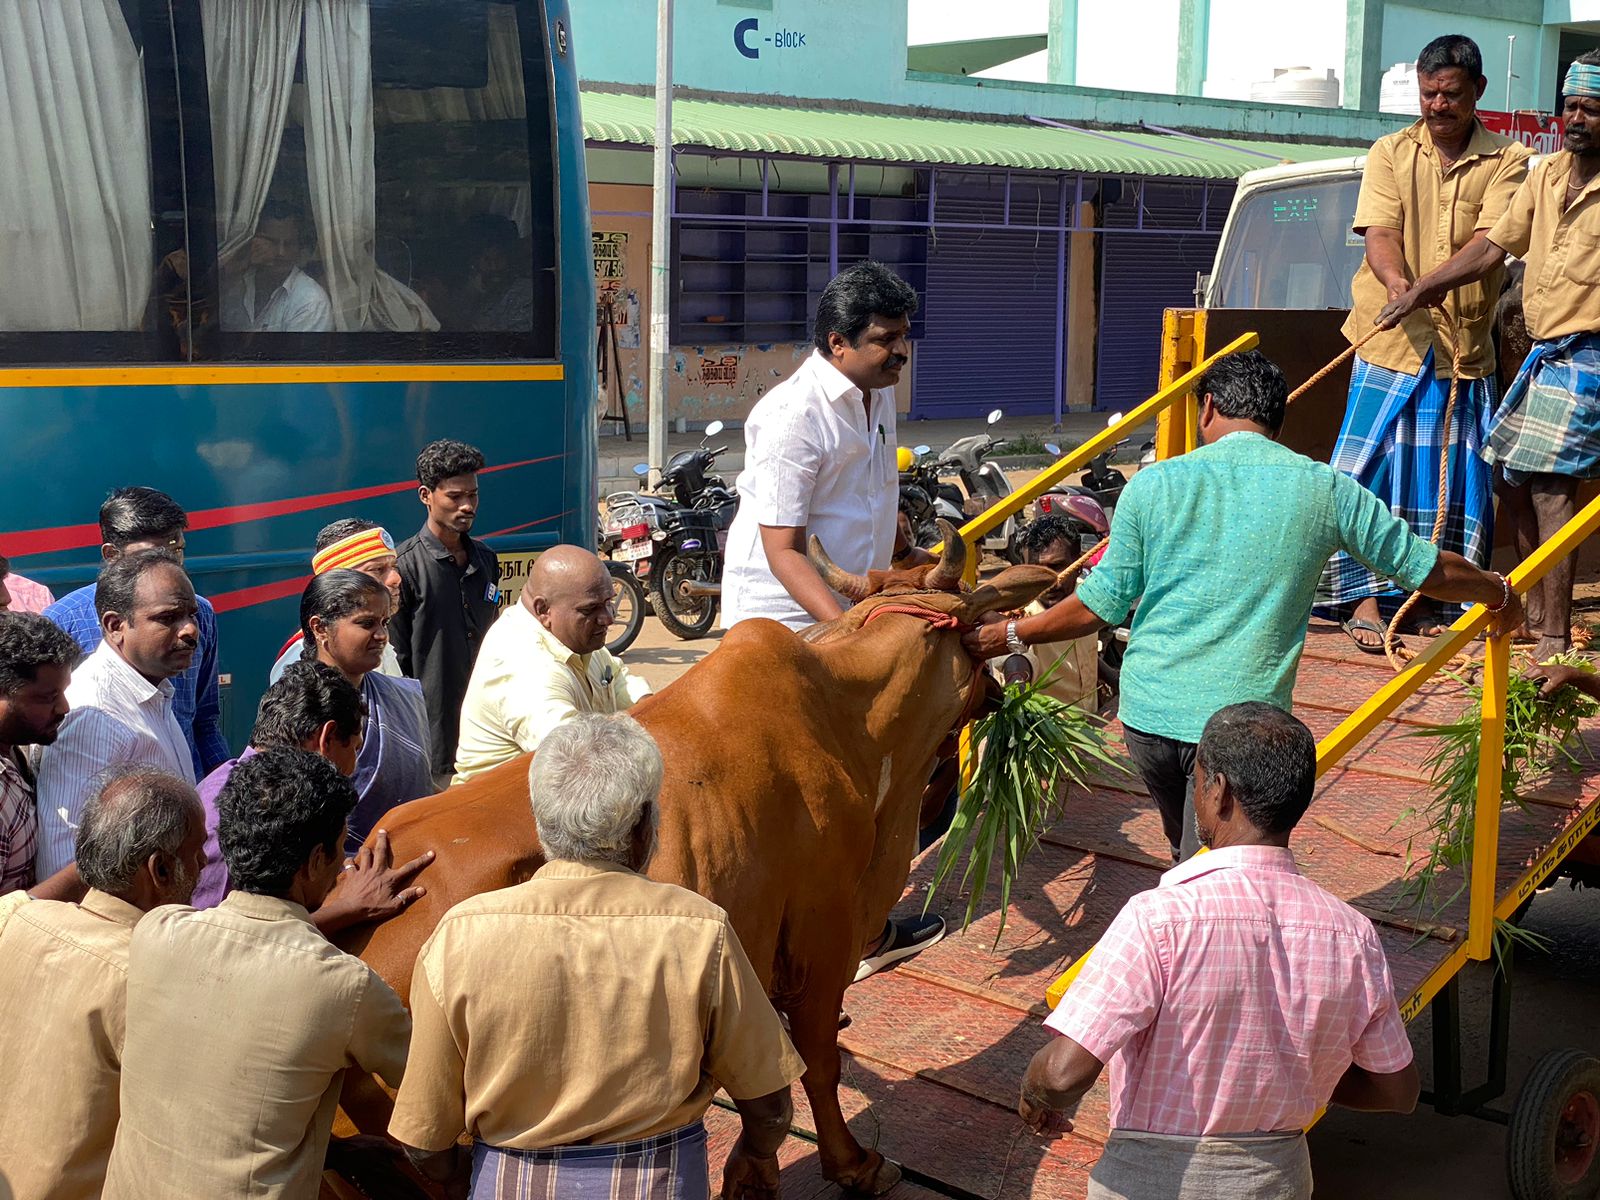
(341,171)
(251,51)
(75,230)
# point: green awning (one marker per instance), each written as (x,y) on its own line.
(796,132)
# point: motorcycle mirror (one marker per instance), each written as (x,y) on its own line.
(713,429)
(994,416)
(641,469)
(919,451)
(1114,418)
(1052,449)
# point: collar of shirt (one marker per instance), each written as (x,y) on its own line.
(110,908)
(836,386)
(1480,142)
(120,672)
(550,644)
(1256,858)
(566,868)
(1556,175)
(440,551)
(265,908)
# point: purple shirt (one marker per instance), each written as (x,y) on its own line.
(214,883)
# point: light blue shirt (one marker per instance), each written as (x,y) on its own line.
(1222,549)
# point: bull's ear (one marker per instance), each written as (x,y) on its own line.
(1012,588)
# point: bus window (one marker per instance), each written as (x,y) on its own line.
(1291,247)
(76,242)
(382,186)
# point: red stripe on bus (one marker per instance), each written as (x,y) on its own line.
(73,537)
(261,593)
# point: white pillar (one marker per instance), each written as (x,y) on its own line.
(661,244)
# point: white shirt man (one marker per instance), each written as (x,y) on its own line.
(815,456)
(117,716)
(297,305)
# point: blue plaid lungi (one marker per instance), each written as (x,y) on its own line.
(1549,422)
(1390,443)
(669,1166)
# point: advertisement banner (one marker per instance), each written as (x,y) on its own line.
(1539,132)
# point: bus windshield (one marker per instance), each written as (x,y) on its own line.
(1290,246)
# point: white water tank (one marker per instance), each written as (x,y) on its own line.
(1398,91)
(1304,87)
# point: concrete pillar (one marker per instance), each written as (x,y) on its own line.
(1194,37)
(1363,54)
(1061,62)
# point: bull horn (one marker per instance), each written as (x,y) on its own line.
(952,565)
(854,588)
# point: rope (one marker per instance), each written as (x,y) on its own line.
(1397,654)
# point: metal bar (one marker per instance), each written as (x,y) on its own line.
(1013,504)
(1005,211)
(1061,297)
(1179,347)
(833,219)
(1486,813)
(1205,141)
(1139,196)
(1095,133)
(661,243)
(850,209)
(933,191)
(765,163)
(1446,1010)
(704,220)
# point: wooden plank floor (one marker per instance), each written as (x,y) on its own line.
(936,1048)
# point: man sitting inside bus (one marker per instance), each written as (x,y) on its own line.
(265,290)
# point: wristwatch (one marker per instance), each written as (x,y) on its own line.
(1013,642)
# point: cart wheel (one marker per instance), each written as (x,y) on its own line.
(1555,1130)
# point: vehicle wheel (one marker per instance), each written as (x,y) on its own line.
(687,617)
(1555,1130)
(629,619)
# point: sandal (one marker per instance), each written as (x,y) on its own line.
(1355,623)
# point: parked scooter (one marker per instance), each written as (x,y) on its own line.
(1100,480)
(984,484)
(924,497)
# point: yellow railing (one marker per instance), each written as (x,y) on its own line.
(1483,907)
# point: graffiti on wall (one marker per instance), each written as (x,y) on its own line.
(611,286)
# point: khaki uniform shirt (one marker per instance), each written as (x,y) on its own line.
(1561,246)
(588,1005)
(525,683)
(63,983)
(1436,212)
(241,1021)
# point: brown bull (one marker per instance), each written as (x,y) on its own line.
(794,771)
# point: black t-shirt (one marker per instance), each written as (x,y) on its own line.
(444,613)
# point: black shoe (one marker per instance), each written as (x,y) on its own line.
(902,939)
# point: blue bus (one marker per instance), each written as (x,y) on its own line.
(257,253)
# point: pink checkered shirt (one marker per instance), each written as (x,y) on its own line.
(1232,998)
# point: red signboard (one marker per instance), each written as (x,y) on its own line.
(1540,132)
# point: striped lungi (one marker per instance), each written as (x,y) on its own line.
(1391,442)
(669,1166)
(1257,1166)
(1549,423)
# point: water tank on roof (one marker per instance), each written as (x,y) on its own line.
(1398,91)
(1302,86)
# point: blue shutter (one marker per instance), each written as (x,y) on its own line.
(1143,273)
(989,311)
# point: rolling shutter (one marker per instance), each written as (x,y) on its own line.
(1143,273)
(989,311)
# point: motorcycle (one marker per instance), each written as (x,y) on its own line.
(924,497)
(674,537)
(1100,481)
(983,485)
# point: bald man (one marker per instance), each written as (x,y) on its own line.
(544,661)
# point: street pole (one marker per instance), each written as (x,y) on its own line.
(1511,58)
(661,243)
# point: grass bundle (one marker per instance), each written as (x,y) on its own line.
(1032,747)
(1538,730)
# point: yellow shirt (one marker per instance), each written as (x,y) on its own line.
(525,683)
(1436,213)
(63,984)
(1561,246)
(589,1004)
(241,1021)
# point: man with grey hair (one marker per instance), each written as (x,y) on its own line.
(591,1006)
(63,981)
